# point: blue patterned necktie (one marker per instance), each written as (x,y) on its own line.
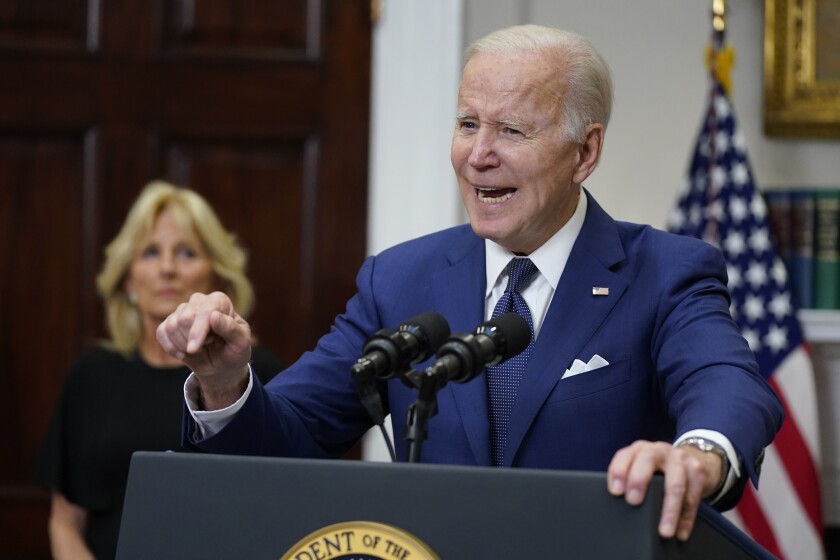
(503,379)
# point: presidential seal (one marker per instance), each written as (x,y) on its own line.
(360,540)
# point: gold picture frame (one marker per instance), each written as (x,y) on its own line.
(802,68)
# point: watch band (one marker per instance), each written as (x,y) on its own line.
(709,446)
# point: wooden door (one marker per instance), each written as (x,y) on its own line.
(261,105)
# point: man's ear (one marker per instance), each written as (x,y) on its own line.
(589,153)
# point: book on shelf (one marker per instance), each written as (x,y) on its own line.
(827,249)
(778,214)
(805,225)
(801,267)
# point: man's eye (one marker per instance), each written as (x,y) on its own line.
(467,124)
(510,130)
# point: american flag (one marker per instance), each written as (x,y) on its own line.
(719,203)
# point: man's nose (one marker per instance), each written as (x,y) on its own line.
(483,152)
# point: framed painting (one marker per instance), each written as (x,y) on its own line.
(802,68)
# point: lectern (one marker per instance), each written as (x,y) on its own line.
(185,506)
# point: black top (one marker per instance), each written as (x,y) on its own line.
(111,406)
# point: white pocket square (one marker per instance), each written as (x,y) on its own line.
(579,367)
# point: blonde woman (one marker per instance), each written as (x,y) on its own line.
(171,245)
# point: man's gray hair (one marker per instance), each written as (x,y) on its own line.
(588,84)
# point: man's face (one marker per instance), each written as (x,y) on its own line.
(518,178)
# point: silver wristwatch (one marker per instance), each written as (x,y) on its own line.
(708,445)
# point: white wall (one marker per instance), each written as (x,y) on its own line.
(416,53)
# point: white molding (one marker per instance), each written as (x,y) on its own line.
(819,325)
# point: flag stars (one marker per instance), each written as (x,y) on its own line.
(676,219)
(703,146)
(753,307)
(719,178)
(734,243)
(700,182)
(756,274)
(738,209)
(685,188)
(779,272)
(776,338)
(722,108)
(780,305)
(758,208)
(760,240)
(734,274)
(721,142)
(752,339)
(740,174)
(695,215)
(739,143)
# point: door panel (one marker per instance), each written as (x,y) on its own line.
(262,106)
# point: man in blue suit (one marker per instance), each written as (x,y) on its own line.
(635,367)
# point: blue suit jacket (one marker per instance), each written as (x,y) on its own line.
(676,359)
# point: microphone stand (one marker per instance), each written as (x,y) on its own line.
(372,401)
(419,413)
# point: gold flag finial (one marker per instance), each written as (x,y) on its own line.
(719,15)
(720,58)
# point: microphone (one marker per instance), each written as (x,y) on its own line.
(388,352)
(464,356)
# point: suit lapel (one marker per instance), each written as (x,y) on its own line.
(459,292)
(572,318)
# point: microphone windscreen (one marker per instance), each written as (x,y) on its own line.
(515,331)
(432,326)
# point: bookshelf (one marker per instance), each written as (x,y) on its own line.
(820,325)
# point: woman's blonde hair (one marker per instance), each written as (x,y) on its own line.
(194,214)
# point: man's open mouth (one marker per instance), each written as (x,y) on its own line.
(494,196)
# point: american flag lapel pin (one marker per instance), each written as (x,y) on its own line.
(599,291)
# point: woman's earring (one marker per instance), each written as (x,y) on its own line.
(132,297)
